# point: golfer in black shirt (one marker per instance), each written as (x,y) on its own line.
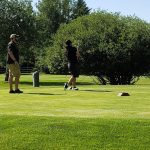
(73,65)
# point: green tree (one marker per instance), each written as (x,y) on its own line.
(17,17)
(80,9)
(50,15)
(48,19)
(114,48)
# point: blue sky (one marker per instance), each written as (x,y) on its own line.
(139,8)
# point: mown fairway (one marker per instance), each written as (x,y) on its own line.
(93,118)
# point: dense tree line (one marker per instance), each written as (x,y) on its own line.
(17,17)
(35,28)
(51,14)
(114,48)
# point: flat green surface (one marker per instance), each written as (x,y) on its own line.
(47,117)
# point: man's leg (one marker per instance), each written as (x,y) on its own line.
(17,82)
(10,81)
(70,82)
(75,75)
(17,74)
(74,82)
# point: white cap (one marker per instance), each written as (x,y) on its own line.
(13,35)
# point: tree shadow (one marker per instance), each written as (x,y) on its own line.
(95,90)
(53,83)
(142,84)
(43,94)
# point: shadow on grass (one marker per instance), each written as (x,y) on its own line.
(53,83)
(43,94)
(95,91)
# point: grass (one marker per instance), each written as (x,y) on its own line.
(93,118)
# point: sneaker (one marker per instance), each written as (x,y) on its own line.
(70,88)
(65,86)
(12,91)
(75,88)
(18,91)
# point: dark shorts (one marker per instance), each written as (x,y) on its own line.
(74,69)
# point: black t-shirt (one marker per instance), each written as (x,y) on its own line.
(71,54)
(12,47)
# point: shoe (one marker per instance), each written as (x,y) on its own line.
(65,86)
(12,91)
(70,88)
(75,88)
(18,91)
